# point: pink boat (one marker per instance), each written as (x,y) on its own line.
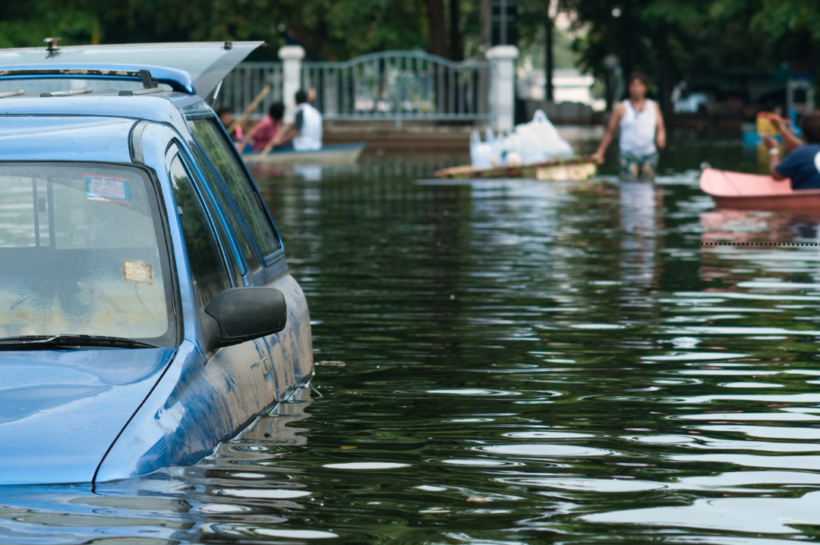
(754,192)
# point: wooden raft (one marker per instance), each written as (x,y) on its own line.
(579,168)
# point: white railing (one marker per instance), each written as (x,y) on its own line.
(245,82)
(400,86)
(393,86)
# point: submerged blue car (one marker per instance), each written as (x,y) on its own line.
(146,308)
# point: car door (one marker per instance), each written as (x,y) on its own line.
(291,350)
(245,367)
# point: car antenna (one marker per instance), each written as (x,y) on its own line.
(52,48)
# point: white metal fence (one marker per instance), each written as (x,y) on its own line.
(389,86)
(245,82)
(399,86)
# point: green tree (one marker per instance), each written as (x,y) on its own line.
(782,17)
(28,23)
(330,29)
(675,39)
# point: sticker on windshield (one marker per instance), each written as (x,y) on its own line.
(137,271)
(106,188)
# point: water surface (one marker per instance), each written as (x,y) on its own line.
(511,361)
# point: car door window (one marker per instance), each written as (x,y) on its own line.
(205,259)
(224,158)
(241,236)
(233,260)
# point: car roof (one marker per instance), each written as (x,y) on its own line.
(65,138)
(160,107)
(166,107)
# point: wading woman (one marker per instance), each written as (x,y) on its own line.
(642,132)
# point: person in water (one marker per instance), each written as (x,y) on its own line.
(802,164)
(642,132)
(267,129)
(305,133)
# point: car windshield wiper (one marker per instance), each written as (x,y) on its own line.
(44,341)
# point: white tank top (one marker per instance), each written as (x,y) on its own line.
(638,129)
(310,136)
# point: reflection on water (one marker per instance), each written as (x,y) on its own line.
(510,362)
(760,226)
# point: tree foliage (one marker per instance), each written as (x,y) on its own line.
(330,29)
(682,37)
(698,36)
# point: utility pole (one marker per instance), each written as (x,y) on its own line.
(502,22)
(549,93)
(485,14)
(613,75)
(505,23)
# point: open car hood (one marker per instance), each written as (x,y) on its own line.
(207,62)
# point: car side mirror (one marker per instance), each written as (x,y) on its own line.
(248,313)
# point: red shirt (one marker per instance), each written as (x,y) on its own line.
(264,132)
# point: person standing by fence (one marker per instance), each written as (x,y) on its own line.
(642,132)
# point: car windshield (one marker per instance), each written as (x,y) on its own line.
(82,252)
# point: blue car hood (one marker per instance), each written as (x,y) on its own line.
(60,410)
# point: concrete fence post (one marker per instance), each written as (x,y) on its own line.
(502,86)
(291,56)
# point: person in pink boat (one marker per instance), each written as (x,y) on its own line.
(802,164)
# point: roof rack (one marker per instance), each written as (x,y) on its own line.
(80,91)
(8,94)
(149,85)
(176,79)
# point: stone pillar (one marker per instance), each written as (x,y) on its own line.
(502,86)
(291,56)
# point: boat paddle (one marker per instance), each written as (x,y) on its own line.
(251,107)
(268,147)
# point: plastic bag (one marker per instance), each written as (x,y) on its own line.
(529,145)
(538,141)
(481,153)
(510,154)
(499,148)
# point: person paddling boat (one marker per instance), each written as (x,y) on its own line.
(802,164)
(267,129)
(642,132)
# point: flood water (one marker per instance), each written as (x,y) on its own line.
(511,361)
